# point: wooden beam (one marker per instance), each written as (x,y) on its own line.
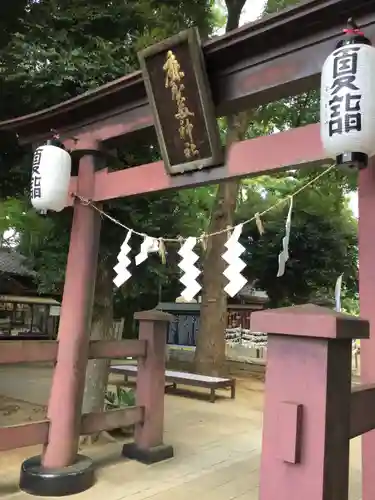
(113,419)
(27,351)
(19,436)
(117,349)
(35,351)
(295,148)
(362,409)
(30,434)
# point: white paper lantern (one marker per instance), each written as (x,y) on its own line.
(50,178)
(347,106)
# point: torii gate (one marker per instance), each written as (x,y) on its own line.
(272,58)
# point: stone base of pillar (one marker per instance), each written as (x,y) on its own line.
(38,481)
(149,456)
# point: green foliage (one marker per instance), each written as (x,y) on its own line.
(120,398)
(66,47)
(10,19)
(350,303)
(218,15)
(15,163)
(60,49)
(16,215)
(273,6)
(323,241)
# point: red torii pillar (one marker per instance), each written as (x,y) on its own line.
(366,244)
(75,320)
(60,468)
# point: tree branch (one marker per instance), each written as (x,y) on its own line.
(234,8)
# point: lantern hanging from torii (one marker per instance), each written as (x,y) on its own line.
(347,106)
(50,177)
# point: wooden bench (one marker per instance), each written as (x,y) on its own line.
(175,378)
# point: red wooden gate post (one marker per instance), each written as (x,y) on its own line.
(305,451)
(62,472)
(148,446)
(366,242)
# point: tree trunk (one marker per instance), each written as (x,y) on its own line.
(101,329)
(210,350)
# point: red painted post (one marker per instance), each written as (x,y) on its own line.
(366,243)
(64,408)
(148,446)
(306,426)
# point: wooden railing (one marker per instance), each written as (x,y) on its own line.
(147,415)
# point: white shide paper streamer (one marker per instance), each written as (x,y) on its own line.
(338,287)
(236,265)
(284,254)
(190,271)
(148,245)
(123,262)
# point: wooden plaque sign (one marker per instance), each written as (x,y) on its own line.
(180,97)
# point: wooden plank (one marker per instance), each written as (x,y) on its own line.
(117,349)
(125,369)
(34,351)
(27,351)
(19,436)
(181,378)
(362,409)
(174,374)
(113,419)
